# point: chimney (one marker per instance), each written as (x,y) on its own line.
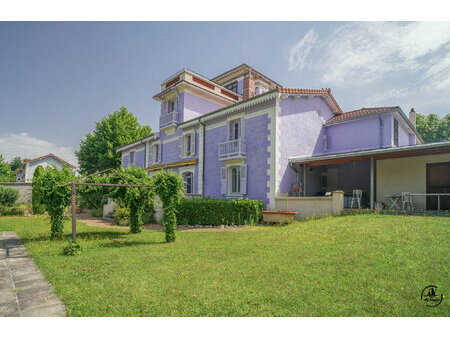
(412,117)
(249,87)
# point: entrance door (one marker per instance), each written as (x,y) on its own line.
(438,181)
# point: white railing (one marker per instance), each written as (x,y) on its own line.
(168,119)
(230,149)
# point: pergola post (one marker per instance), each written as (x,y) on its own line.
(372,183)
(304,179)
(74,210)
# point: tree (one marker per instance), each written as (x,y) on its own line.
(432,128)
(98,149)
(54,196)
(16,163)
(6,174)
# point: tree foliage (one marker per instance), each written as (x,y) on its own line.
(98,150)
(432,128)
(169,186)
(55,197)
(6,174)
(16,162)
(36,198)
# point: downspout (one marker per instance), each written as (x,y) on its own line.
(203,162)
(381,131)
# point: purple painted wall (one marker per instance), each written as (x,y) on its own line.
(191,106)
(361,134)
(403,135)
(300,133)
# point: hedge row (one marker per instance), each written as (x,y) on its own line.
(214,212)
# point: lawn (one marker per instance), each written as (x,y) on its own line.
(364,265)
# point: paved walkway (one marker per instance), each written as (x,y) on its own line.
(23,290)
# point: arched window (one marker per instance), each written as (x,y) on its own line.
(188,178)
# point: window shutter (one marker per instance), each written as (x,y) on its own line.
(149,155)
(159,152)
(241,127)
(243,179)
(223,180)
(181,146)
(193,144)
(230,131)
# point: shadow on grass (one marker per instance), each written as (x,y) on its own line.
(84,236)
(117,244)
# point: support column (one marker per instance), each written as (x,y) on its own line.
(372,183)
(304,179)
(74,210)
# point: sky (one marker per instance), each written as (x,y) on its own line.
(58,78)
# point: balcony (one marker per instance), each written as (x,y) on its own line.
(167,120)
(232,149)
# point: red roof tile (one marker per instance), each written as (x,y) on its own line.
(363,112)
(41,157)
(323,91)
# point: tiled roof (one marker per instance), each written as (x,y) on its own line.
(363,112)
(41,157)
(323,91)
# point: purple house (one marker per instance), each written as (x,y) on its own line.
(243,135)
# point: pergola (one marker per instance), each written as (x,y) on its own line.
(76,182)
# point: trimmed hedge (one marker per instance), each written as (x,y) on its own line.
(215,212)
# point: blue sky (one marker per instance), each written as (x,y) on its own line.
(58,78)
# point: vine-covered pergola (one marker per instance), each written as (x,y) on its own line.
(76,182)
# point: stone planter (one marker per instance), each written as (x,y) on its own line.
(278,216)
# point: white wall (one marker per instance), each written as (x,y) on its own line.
(44,162)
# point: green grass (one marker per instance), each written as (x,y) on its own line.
(364,265)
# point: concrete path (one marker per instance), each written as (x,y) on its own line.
(23,290)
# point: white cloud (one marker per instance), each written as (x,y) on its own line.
(301,50)
(410,61)
(24,145)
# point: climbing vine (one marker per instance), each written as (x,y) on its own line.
(55,197)
(135,198)
(169,186)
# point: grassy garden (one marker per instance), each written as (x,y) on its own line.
(362,265)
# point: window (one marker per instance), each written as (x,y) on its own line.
(235,130)
(188,178)
(395,133)
(188,145)
(131,158)
(235,180)
(232,86)
(171,106)
(156,153)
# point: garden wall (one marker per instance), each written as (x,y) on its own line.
(309,206)
(24,190)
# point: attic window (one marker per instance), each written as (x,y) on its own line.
(232,86)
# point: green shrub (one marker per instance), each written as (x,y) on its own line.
(12,211)
(122,216)
(73,249)
(8,196)
(36,198)
(97,212)
(212,211)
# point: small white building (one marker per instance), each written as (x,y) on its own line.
(26,172)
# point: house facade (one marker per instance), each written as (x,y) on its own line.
(243,135)
(26,171)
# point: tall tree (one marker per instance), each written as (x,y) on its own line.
(98,149)
(432,128)
(16,162)
(6,174)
